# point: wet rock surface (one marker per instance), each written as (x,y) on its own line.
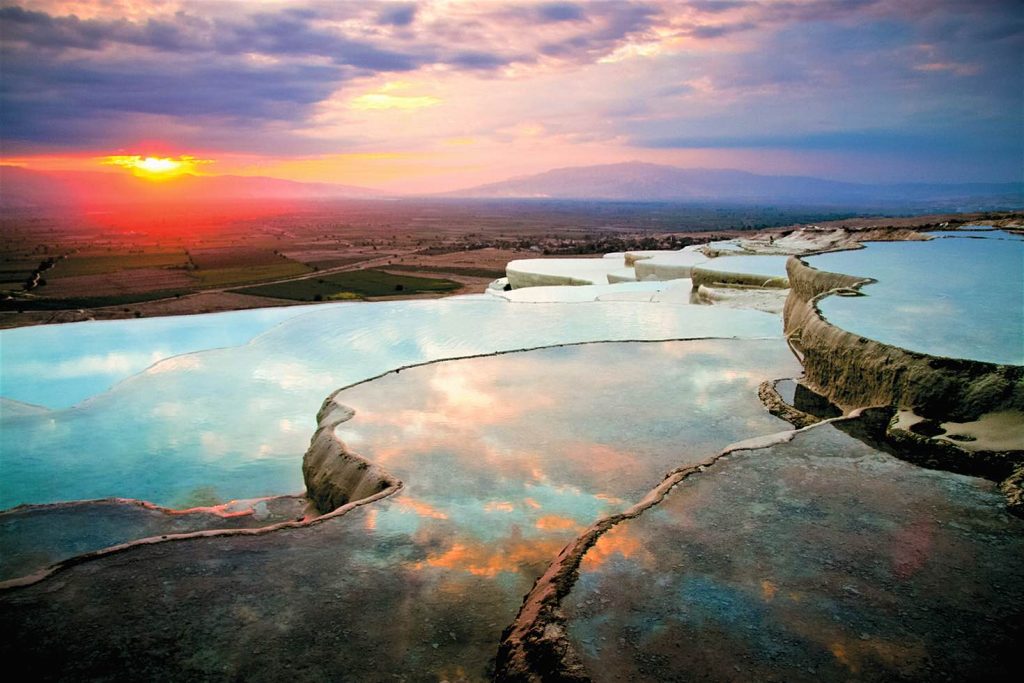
(819,559)
(35,537)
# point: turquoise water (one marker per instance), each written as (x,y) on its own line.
(985,234)
(959,297)
(233,422)
(508,449)
(57,366)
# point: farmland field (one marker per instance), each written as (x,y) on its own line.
(489,273)
(61,265)
(225,277)
(353,284)
(76,264)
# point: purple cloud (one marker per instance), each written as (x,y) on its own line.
(835,76)
(561,11)
(398,15)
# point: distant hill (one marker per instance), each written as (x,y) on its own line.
(653,182)
(631,181)
(22,188)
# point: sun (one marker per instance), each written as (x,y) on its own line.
(156,168)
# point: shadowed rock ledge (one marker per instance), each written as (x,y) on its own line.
(334,475)
(853,371)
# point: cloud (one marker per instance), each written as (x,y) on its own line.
(51,33)
(650,75)
(57,99)
(386,101)
(398,15)
(720,30)
(478,59)
(561,11)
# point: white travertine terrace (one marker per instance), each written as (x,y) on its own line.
(632,266)
(767,299)
(631,257)
(746,271)
(668,265)
(626,274)
(676,291)
(560,271)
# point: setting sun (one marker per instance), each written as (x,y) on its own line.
(155,168)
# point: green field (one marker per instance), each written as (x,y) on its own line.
(455,270)
(225,277)
(61,304)
(95,265)
(353,284)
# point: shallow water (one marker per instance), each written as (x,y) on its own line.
(727,245)
(504,460)
(821,559)
(959,297)
(230,423)
(33,538)
(583,293)
(502,451)
(56,366)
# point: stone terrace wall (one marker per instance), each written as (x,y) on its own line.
(853,371)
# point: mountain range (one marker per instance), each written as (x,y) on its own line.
(653,182)
(630,181)
(20,187)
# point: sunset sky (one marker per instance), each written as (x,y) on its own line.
(442,94)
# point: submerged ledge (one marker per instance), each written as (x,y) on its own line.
(539,645)
(336,485)
(535,646)
(307,519)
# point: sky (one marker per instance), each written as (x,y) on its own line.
(436,95)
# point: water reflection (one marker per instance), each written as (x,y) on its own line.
(238,419)
(817,559)
(57,366)
(506,458)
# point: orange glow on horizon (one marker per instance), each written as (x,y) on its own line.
(446,167)
(156,168)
